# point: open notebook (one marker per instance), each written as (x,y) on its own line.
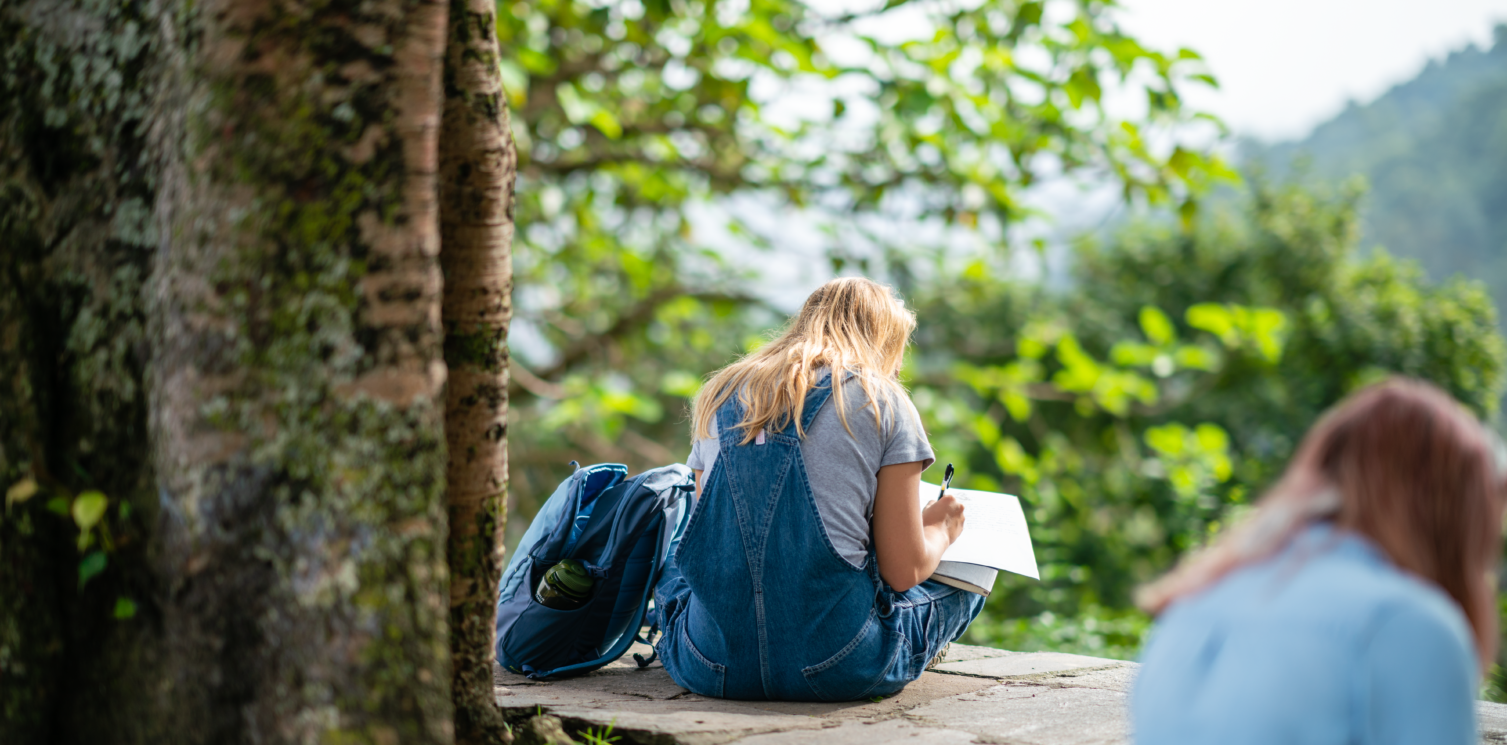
(994,538)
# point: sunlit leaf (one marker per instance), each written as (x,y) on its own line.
(124,608)
(88,508)
(1013,459)
(1169,439)
(1017,405)
(1268,325)
(1196,358)
(1215,319)
(1212,437)
(1157,326)
(986,431)
(680,383)
(606,123)
(21,491)
(1132,354)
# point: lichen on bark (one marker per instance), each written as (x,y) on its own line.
(219,304)
(75,246)
(296,400)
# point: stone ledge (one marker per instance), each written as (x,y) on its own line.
(972,695)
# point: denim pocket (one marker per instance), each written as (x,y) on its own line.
(858,667)
(923,637)
(698,675)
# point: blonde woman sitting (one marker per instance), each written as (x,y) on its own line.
(802,573)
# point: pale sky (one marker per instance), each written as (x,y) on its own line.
(1286,65)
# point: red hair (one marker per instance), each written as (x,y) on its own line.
(1400,463)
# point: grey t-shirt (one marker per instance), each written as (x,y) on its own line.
(844,471)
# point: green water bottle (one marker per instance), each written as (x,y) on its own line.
(565,586)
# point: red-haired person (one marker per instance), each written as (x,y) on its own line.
(1357,605)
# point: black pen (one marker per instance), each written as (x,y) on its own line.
(946,481)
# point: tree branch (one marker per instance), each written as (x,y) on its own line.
(634,318)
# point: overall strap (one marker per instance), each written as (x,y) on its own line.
(816,398)
(731,410)
(730,413)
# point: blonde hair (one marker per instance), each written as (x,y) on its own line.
(1401,463)
(849,325)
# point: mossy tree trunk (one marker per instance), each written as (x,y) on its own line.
(220,308)
(78,187)
(478,165)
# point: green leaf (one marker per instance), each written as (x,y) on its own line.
(514,82)
(1018,406)
(642,408)
(1187,214)
(90,566)
(1031,348)
(534,61)
(1157,325)
(1029,14)
(1013,459)
(88,508)
(1268,326)
(1212,438)
(607,124)
(1133,354)
(1082,85)
(20,491)
(1206,79)
(1196,358)
(1079,371)
(1168,439)
(1215,319)
(124,608)
(1182,161)
(58,505)
(577,109)
(680,383)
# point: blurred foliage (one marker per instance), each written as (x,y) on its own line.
(1141,410)
(1136,411)
(1434,151)
(100,535)
(631,114)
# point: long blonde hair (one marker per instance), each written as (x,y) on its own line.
(849,325)
(1406,466)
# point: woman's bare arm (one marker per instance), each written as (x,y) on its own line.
(909,541)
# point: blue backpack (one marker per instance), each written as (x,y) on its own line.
(620,528)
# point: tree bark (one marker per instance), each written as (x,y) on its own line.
(220,306)
(478,165)
(76,241)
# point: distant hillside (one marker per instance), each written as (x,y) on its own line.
(1434,150)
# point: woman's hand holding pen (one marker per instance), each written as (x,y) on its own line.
(945,514)
(949,511)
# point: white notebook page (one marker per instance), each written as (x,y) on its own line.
(994,531)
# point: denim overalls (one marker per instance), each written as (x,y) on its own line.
(756,603)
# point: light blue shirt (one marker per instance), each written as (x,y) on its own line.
(1327,642)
